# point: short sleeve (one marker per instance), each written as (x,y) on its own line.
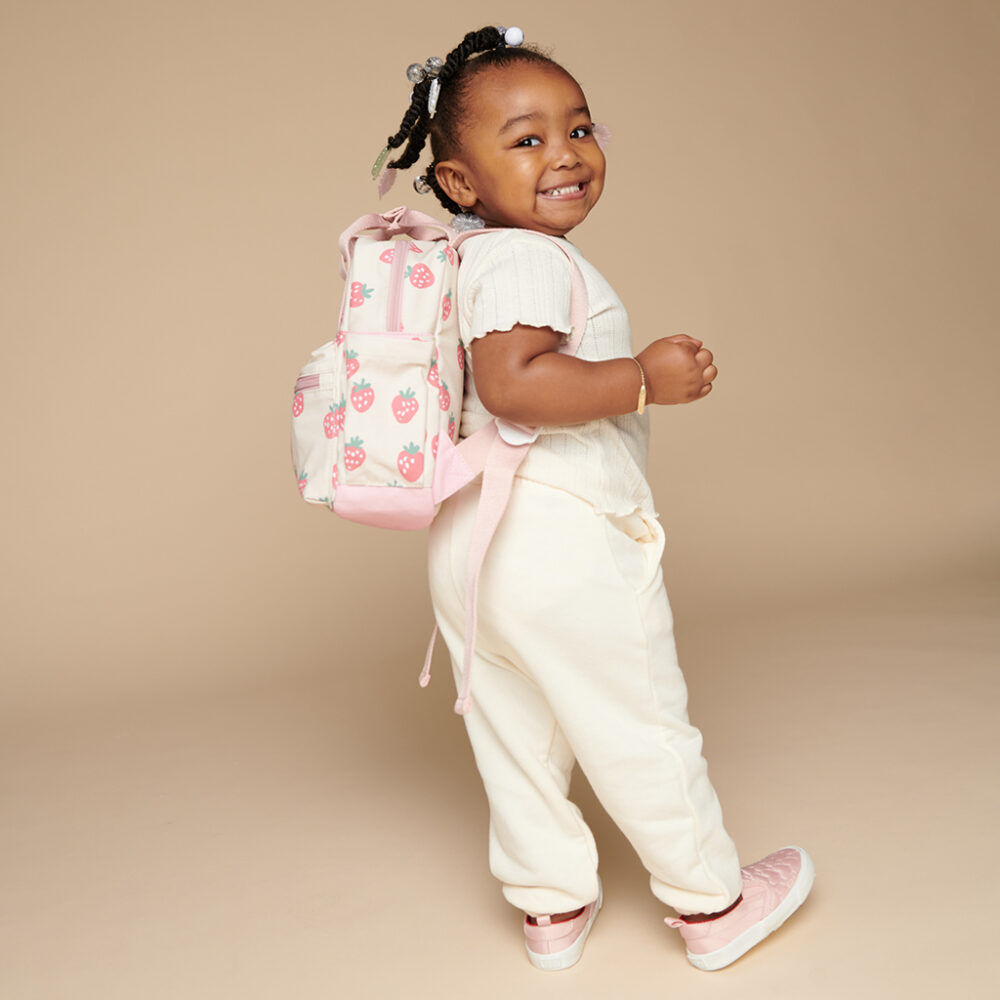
(512,278)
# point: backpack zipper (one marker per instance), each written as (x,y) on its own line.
(396,276)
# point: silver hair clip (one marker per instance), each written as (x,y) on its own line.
(432,97)
(417,73)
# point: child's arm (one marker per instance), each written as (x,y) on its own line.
(521,377)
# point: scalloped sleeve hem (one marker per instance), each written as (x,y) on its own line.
(509,279)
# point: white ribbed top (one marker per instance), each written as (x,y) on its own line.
(518,277)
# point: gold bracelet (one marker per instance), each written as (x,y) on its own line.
(642,391)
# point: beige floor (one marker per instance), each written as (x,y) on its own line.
(325,837)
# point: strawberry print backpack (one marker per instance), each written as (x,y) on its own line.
(371,407)
(376,411)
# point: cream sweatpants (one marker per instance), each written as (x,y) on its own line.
(575,660)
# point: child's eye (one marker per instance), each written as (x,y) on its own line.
(581,132)
(528,141)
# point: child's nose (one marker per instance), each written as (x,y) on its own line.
(565,154)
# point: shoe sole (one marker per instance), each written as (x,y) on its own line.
(568,956)
(752,936)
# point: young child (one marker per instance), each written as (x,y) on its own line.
(575,657)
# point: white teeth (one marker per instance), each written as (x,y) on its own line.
(555,192)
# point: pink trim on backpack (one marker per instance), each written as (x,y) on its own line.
(385,506)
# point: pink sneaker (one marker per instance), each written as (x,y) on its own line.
(558,946)
(773,889)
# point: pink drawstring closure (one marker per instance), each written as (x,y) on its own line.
(425,674)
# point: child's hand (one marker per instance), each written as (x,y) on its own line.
(678,369)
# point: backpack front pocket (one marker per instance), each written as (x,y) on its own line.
(386,420)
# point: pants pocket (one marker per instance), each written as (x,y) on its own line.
(636,544)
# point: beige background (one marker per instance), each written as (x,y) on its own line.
(219,777)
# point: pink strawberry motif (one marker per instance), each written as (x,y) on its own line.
(433,375)
(339,339)
(362,396)
(298,404)
(303,479)
(351,363)
(420,276)
(333,422)
(452,428)
(444,397)
(446,305)
(354,454)
(359,293)
(405,406)
(434,445)
(447,254)
(410,463)
(386,255)
(461,358)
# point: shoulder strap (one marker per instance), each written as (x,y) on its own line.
(489,452)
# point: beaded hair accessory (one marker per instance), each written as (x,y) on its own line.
(416,73)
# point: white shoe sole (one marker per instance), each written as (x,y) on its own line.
(753,935)
(571,955)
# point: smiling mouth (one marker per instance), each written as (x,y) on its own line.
(566,192)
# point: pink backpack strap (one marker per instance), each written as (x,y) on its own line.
(497,451)
(488,452)
(396,221)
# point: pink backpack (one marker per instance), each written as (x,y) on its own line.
(376,411)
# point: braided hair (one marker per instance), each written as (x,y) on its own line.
(456,75)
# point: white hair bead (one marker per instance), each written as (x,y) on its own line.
(513,36)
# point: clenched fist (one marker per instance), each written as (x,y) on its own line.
(678,370)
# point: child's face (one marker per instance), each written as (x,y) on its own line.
(528,157)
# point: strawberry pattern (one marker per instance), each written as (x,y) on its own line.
(359,294)
(411,463)
(405,406)
(364,410)
(387,255)
(333,422)
(362,396)
(421,276)
(354,455)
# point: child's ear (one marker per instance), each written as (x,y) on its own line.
(452,178)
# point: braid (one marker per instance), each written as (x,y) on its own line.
(413,114)
(457,71)
(416,122)
(415,143)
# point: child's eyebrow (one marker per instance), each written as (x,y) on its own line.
(531,115)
